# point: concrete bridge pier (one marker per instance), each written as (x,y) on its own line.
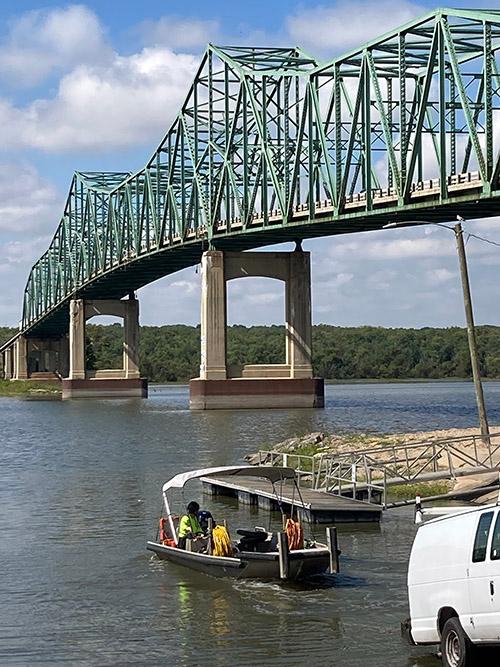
(256,386)
(48,358)
(8,363)
(21,358)
(37,359)
(109,383)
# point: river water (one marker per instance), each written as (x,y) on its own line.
(80,495)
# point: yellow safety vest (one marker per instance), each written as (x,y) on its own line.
(189,524)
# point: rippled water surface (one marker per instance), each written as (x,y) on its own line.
(80,495)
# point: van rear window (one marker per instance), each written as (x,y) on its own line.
(495,542)
(481,541)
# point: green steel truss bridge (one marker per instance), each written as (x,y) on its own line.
(271,146)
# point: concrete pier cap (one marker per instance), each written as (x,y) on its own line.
(256,386)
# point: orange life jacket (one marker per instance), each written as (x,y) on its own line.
(162,533)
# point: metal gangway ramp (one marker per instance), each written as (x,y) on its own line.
(368,473)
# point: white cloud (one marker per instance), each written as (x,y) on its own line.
(16,259)
(342,279)
(129,101)
(42,41)
(324,275)
(27,201)
(186,286)
(264,299)
(178,33)
(171,300)
(440,275)
(490,260)
(14,253)
(401,248)
(348,24)
(383,280)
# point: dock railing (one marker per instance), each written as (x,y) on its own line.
(324,473)
(369,472)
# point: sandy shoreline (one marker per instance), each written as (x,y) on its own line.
(319,442)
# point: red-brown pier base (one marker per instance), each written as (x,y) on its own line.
(256,393)
(104,388)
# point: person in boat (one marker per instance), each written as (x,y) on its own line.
(189,526)
(204,517)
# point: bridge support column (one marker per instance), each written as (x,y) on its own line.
(123,382)
(256,386)
(8,371)
(48,358)
(213,316)
(77,339)
(298,316)
(36,359)
(131,339)
(64,356)
(21,358)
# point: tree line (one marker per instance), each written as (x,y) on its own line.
(172,353)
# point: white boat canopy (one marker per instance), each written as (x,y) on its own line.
(273,474)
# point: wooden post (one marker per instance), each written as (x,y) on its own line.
(209,540)
(483,418)
(333,548)
(284,555)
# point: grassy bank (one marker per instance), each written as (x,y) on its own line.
(424,489)
(23,388)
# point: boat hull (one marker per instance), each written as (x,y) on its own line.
(303,563)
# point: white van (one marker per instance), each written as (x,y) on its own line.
(454,584)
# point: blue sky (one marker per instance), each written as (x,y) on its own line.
(94,86)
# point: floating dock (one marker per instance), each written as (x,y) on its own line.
(315,506)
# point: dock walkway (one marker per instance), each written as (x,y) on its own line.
(316,506)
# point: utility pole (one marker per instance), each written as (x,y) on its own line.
(471,334)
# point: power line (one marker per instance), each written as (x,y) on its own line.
(469,234)
(481,238)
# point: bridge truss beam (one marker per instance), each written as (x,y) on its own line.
(270,146)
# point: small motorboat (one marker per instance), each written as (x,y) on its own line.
(257,553)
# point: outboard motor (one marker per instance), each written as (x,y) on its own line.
(250,539)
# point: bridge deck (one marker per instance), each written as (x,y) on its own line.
(315,506)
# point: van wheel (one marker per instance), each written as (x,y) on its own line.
(456,648)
